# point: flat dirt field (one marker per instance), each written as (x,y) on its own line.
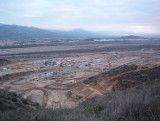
(65,74)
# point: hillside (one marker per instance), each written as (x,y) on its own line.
(15,32)
(78,33)
(132,37)
(12,101)
(139,103)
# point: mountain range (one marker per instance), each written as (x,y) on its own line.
(23,33)
(16,32)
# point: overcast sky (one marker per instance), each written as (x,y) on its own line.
(96,15)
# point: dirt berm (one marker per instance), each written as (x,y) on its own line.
(123,77)
(111,73)
(7,77)
(130,79)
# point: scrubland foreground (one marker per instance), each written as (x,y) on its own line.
(138,103)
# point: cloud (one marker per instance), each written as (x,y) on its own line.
(30,16)
(26,5)
(144,29)
(65,10)
(129,15)
(2,11)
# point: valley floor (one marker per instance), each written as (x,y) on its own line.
(61,81)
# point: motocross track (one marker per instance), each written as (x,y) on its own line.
(97,68)
(60,94)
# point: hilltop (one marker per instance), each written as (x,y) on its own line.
(132,37)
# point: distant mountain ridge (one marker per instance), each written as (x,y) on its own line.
(16,32)
(132,37)
(1,24)
(24,33)
(78,33)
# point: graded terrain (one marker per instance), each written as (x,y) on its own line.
(64,75)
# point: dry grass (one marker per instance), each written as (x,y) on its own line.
(140,103)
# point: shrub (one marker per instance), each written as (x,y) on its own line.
(141,103)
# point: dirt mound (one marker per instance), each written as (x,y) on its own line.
(122,77)
(4,61)
(12,101)
(111,73)
(130,79)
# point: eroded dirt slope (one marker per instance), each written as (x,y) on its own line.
(123,77)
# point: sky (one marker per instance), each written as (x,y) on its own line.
(97,15)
